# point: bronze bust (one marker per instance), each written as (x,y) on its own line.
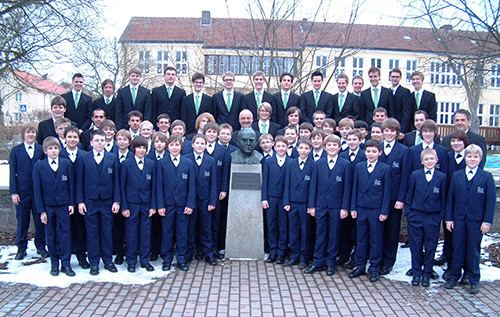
(246,140)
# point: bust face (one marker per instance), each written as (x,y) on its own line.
(247,140)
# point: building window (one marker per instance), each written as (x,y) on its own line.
(443,74)
(495,76)
(181,62)
(234,64)
(339,66)
(393,63)
(411,66)
(245,65)
(480,113)
(289,65)
(494,115)
(211,62)
(377,62)
(446,111)
(144,61)
(161,61)
(321,62)
(19,96)
(357,66)
(266,65)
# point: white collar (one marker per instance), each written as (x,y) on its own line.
(56,159)
(178,157)
(137,160)
(95,152)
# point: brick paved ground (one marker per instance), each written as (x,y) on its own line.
(248,288)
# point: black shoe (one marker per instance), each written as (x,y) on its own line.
(131,268)
(198,257)
(446,275)
(330,270)
(450,284)
(312,269)
(68,271)
(148,267)
(84,264)
(153,257)
(350,265)
(357,273)
(440,261)
(271,259)
(119,260)
(211,260)
(464,280)
(20,255)
(342,260)
(415,281)
(111,267)
(280,260)
(385,270)
(219,256)
(374,277)
(434,275)
(291,263)
(189,259)
(54,271)
(409,272)
(474,289)
(183,267)
(43,253)
(302,265)
(166,267)
(426,282)
(94,270)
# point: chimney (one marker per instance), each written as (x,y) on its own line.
(206,20)
(447,27)
(303,26)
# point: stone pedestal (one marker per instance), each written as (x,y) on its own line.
(244,237)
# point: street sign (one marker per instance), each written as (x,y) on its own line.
(22,108)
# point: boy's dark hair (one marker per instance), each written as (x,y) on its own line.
(211,126)
(291,110)
(178,122)
(374,69)
(306,125)
(290,127)
(428,124)
(381,110)
(50,141)
(343,76)
(426,115)
(72,128)
(316,133)
(391,124)
(226,126)
(160,136)
(331,122)
(107,82)
(175,138)
(199,136)
(360,124)
(77,75)
(97,132)
(134,113)
(163,116)
(139,141)
(460,135)
(373,143)
(316,73)
(286,74)
(58,100)
(169,68)
(197,76)
(280,138)
(304,141)
(355,132)
(396,70)
(376,125)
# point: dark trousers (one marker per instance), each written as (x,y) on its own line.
(203,233)
(215,215)
(368,237)
(174,221)
(78,235)
(58,235)
(119,234)
(467,238)
(423,230)
(327,236)
(138,234)
(348,234)
(448,245)
(298,231)
(221,236)
(155,234)
(23,211)
(392,228)
(99,225)
(277,222)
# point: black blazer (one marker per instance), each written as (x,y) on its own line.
(81,115)
(250,104)
(124,105)
(474,138)
(231,117)
(402,108)
(162,104)
(188,110)
(109,109)
(279,115)
(366,105)
(45,128)
(307,106)
(427,103)
(273,128)
(350,107)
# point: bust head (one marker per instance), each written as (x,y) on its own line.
(247,140)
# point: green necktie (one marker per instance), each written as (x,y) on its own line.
(417,99)
(375,97)
(316,98)
(258,98)
(169,91)
(133,91)
(263,128)
(228,102)
(418,139)
(76,99)
(197,103)
(285,100)
(341,101)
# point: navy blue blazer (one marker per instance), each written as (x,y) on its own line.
(372,191)
(79,153)
(452,164)
(109,109)
(366,105)
(45,128)
(279,114)
(130,154)
(136,186)
(273,178)
(311,155)
(231,117)
(397,160)
(250,104)
(92,184)
(308,107)
(82,114)
(152,154)
(350,107)
(222,164)
(427,103)
(272,129)
(476,204)
(124,105)
(176,186)
(206,178)
(21,169)
(415,163)
(428,197)
(162,104)
(297,181)
(188,110)
(402,108)
(360,157)
(51,189)
(331,189)
(474,138)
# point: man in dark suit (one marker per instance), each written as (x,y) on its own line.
(78,104)
(132,97)
(195,103)
(167,98)
(414,138)
(263,125)
(373,97)
(47,127)
(228,103)
(107,101)
(462,123)
(255,98)
(344,103)
(402,109)
(315,99)
(98,117)
(285,99)
(423,99)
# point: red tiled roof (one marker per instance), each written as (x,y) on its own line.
(248,34)
(40,83)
